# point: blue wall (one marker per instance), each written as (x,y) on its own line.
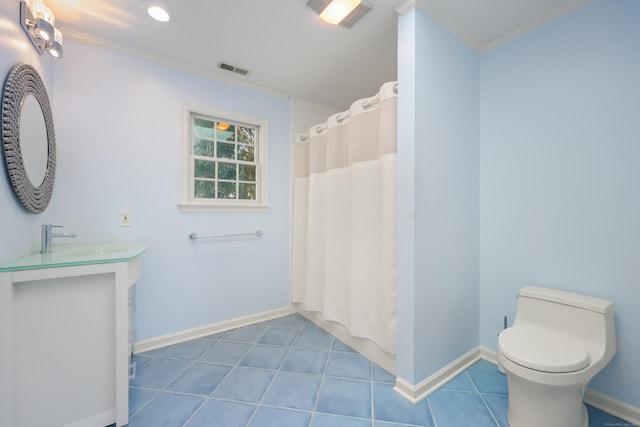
(560,173)
(439,91)
(120,125)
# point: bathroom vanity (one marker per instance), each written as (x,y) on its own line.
(64,336)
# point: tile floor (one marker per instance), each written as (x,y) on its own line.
(288,372)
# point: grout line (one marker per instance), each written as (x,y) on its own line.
(484,402)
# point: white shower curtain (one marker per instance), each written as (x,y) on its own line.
(344,219)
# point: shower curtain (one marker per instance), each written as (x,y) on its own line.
(344,219)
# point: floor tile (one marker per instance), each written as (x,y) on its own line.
(166,410)
(345,397)
(245,384)
(340,346)
(159,373)
(390,406)
(294,321)
(306,361)
(460,382)
(221,413)
(288,372)
(228,353)
(456,408)
(248,334)
(326,420)
(314,340)
(265,356)
(487,378)
(498,406)
(217,336)
(141,360)
(349,365)
(200,379)
(278,336)
(386,424)
(382,375)
(154,353)
(189,350)
(293,390)
(138,397)
(276,417)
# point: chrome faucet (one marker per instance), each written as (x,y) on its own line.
(46,235)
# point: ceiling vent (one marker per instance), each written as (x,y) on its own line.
(233,69)
(349,21)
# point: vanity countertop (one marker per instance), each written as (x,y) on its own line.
(70,254)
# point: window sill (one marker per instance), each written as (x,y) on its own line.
(220,207)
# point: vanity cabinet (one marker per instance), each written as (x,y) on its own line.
(64,341)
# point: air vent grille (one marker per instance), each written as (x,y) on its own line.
(233,69)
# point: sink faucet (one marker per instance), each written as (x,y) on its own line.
(46,235)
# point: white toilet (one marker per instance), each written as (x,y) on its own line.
(558,342)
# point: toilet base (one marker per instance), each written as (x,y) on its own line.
(535,405)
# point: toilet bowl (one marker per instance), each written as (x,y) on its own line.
(558,342)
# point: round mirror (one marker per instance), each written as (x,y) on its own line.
(33,140)
(28,137)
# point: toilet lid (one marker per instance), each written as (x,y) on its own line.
(543,350)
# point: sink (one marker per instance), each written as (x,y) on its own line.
(88,249)
(68,254)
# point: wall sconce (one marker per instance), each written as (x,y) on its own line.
(38,21)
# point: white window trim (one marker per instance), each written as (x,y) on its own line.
(185,201)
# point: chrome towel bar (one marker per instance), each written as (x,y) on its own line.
(194,236)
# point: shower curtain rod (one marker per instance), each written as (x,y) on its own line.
(342,116)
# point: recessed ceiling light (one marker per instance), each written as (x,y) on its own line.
(337,10)
(158,13)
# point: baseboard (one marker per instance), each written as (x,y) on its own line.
(615,407)
(415,393)
(367,348)
(203,331)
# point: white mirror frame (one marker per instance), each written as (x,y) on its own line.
(24,80)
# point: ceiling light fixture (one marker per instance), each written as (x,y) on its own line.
(158,13)
(340,12)
(38,21)
(337,10)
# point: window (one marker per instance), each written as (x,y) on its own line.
(223,162)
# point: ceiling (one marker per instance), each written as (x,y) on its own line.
(285,46)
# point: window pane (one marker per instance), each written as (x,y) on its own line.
(204,169)
(205,189)
(226,170)
(203,147)
(226,190)
(247,191)
(203,128)
(226,150)
(246,153)
(247,173)
(246,135)
(226,132)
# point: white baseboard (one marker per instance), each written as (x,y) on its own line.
(203,331)
(415,393)
(615,407)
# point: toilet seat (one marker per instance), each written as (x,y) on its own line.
(543,349)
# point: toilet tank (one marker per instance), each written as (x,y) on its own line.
(588,318)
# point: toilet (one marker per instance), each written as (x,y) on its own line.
(558,342)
